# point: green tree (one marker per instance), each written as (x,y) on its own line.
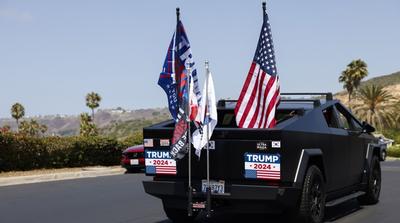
(32,128)
(359,70)
(351,77)
(87,127)
(93,101)
(377,107)
(346,79)
(17,112)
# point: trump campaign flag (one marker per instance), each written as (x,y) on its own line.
(208,116)
(167,80)
(179,80)
(260,94)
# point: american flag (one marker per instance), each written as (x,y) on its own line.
(263,174)
(165,170)
(260,94)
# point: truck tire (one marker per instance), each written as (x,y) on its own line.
(178,215)
(312,203)
(373,189)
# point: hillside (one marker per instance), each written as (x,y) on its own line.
(385,80)
(115,122)
(120,123)
(390,82)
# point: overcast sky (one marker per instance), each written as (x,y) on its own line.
(54,52)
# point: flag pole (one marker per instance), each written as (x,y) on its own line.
(208,143)
(190,189)
(264,6)
(177,14)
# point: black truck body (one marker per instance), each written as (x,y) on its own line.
(317,133)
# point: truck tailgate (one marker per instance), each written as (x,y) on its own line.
(255,155)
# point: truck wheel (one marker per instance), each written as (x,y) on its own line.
(312,203)
(374,184)
(178,215)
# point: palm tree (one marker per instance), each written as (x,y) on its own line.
(352,76)
(17,112)
(377,106)
(93,101)
(397,114)
(359,70)
(346,79)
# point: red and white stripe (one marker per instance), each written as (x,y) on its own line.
(167,170)
(258,100)
(268,174)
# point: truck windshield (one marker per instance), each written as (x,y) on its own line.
(226,117)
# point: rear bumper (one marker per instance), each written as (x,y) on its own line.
(269,197)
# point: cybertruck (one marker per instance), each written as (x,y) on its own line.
(318,155)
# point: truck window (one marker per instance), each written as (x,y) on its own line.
(226,117)
(343,121)
(347,120)
(330,117)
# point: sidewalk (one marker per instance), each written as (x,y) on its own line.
(84,172)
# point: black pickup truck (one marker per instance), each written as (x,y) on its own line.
(318,155)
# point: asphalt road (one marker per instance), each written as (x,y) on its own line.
(121,199)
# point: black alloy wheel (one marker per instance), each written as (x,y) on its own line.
(373,189)
(312,203)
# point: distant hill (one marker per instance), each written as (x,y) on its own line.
(114,122)
(121,123)
(390,82)
(385,80)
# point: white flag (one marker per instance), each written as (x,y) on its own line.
(194,107)
(208,114)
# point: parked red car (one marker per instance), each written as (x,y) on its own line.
(133,158)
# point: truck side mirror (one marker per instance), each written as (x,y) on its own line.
(367,127)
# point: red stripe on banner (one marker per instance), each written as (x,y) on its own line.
(266,173)
(267,89)
(276,98)
(269,174)
(271,105)
(255,115)
(272,124)
(166,170)
(250,102)
(269,178)
(245,86)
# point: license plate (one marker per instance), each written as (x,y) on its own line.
(134,162)
(217,187)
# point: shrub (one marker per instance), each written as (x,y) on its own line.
(19,152)
(392,134)
(394,151)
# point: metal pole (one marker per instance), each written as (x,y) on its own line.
(264,6)
(208,144)
(190,190)
(177,15)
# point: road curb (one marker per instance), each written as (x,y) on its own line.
(84,173)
